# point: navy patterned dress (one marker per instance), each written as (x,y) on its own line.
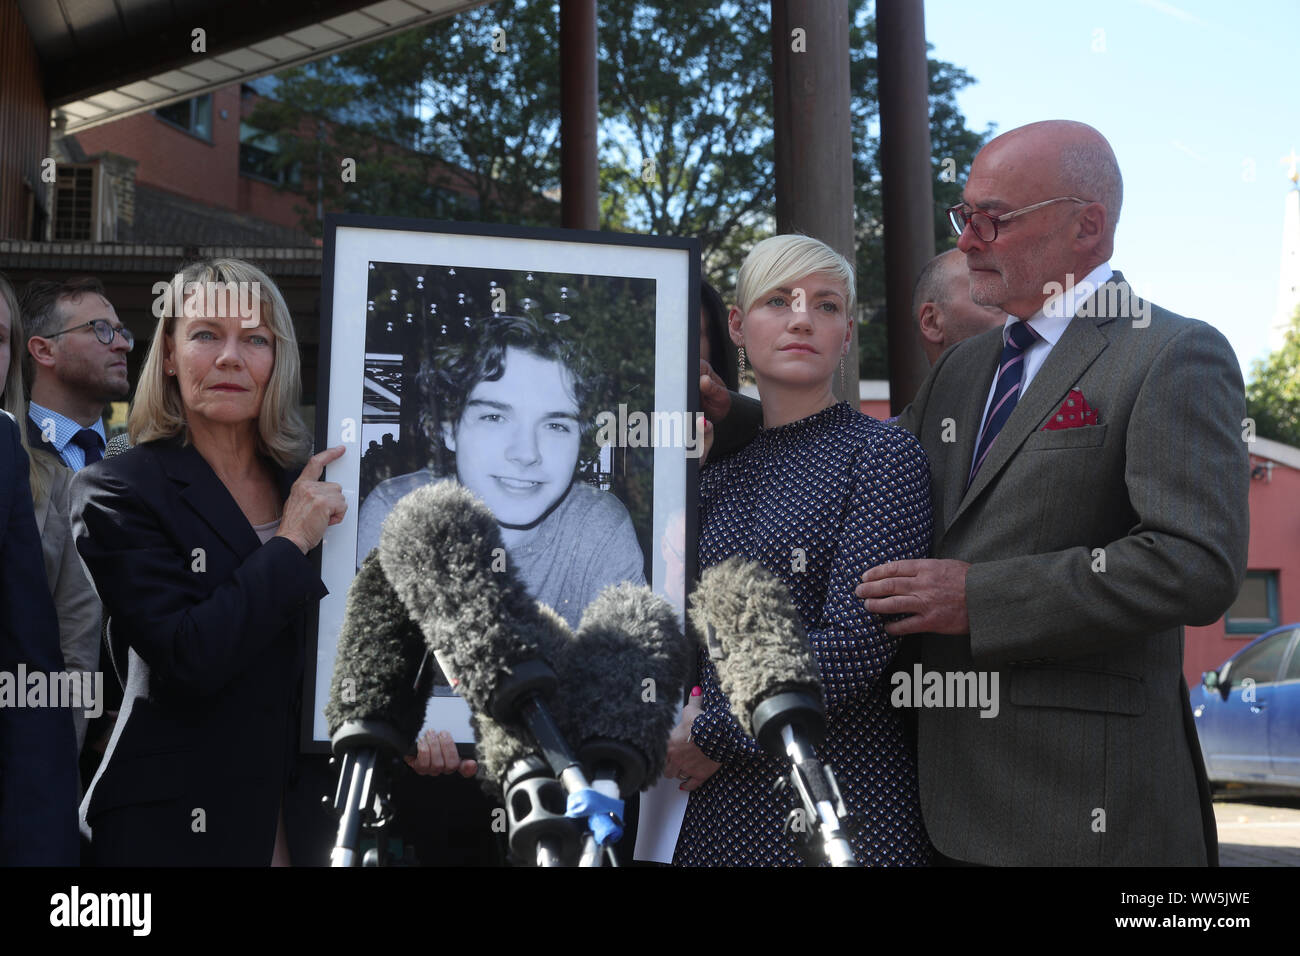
(817,502)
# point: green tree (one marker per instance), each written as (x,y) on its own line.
(686,114)
(952,148)
(686,100)
(1273,395)
(455,120)
(685,134)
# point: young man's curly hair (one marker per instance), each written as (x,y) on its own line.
(446,380)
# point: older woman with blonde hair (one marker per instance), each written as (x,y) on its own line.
(197,539)
(821,493)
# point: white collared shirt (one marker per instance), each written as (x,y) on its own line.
(1049,322)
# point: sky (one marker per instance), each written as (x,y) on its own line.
(1200,101)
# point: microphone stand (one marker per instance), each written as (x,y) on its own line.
(618,770)
(519,696)
(538,829)
(361,796)
(792,723)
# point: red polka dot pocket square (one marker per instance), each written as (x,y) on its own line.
(1075,412)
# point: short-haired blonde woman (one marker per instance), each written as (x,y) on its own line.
(821,493)
(197,540)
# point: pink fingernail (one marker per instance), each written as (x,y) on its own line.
(697,691)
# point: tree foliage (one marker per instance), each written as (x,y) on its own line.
(1273,395)
(455,120)
(685,128)
(686,113)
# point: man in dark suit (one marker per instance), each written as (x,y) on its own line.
(38,763)
(76,358)
(1090,498)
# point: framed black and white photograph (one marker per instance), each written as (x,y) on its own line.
(553,373)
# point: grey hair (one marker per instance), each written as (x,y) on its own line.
(932,283)
(1091,170)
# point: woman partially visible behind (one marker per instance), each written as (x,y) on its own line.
(38,775)
(74,596)
(823,493)
(197,540)
(715,341)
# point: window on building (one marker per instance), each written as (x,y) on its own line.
(1255,609)
(259,157)
(74,202)
(194,116)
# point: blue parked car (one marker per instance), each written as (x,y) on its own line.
(1248,713)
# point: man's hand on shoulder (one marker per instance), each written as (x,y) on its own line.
(932,591)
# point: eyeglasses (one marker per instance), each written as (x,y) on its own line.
(985,225)
(104,331)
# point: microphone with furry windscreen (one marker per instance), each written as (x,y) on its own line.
(442,550)
(756,642)
(624,674)
(378,694)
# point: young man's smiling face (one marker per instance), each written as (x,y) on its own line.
(517,440)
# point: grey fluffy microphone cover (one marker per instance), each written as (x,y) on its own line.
(441,548)
(624,672)
(764,649)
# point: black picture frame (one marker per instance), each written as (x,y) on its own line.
(629,304)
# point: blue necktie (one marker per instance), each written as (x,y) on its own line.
(1010,368)
(88,440)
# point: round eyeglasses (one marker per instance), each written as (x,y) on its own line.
(104,331)
(986,224)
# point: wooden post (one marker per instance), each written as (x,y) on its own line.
(812,138)
(579,185)
(907,187)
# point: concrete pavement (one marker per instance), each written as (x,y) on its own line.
(1258,831)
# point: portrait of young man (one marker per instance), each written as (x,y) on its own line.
(514,403)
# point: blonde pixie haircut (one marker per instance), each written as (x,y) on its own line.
(780,260)
(158,412)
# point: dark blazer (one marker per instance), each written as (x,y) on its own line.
(38,757)
(1090,548)
(207,629)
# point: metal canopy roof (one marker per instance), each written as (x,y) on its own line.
(105,59)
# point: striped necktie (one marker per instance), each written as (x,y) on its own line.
(1010,368)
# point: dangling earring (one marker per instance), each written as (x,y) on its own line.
(842,378)
(741,356)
